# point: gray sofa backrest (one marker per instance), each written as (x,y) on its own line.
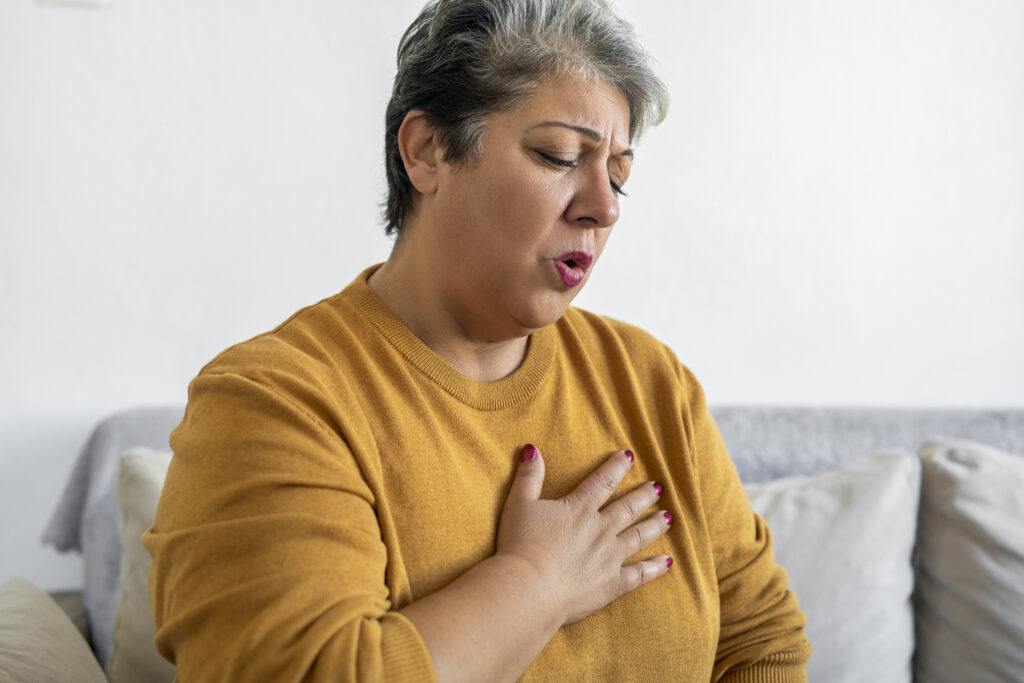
(771,442)
(765,443)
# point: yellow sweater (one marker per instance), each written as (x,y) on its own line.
(333,470)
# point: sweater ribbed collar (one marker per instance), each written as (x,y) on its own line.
(503,393)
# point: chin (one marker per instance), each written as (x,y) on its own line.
(543,311)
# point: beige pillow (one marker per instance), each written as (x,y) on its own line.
(845,537)
(970,564)
(133,657)
(38,642)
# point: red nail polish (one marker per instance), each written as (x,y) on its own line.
(529,453)
(668,518)
(629,456)
(657,488)
(668,561)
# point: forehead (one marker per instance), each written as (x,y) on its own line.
(588,103)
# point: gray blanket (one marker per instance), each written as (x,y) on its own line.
(88,519)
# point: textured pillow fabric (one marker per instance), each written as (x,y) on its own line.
(970,564)
(133,657)
(38,643)
(846,538)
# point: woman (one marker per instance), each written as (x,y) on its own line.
(446,470)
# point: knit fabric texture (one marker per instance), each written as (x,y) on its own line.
(334,470)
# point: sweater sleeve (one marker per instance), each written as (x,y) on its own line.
(761,637)
(267,558)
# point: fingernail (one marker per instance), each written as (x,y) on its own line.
(668,561)
(529,453)
(657,488)
(629,456)
(668,518)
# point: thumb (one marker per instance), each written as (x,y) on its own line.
(529,477)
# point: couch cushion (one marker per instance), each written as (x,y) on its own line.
(970,564)
(845,537)
(133,658)
(38,643)
(86,518)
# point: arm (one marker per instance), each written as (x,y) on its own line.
(268,561)
(761,636)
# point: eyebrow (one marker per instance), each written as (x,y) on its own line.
(588,132)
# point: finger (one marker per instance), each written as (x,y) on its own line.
(642,534)
(628,508)
(636,574)
(601,484)
(529,477)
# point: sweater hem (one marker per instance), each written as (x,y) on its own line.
(782,667)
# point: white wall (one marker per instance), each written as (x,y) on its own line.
(833,213)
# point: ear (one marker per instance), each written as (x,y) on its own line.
(417,143)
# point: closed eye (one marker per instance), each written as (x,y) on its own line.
(565,163)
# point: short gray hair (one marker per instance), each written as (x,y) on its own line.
(462,60)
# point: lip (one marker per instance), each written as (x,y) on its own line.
(572,267)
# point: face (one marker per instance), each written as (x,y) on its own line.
(520,228)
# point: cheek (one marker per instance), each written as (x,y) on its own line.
(529,210)
(509,211)
(545,199)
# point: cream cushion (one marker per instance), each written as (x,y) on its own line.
(970,564)
(133,657)
(38,642)
(846,539)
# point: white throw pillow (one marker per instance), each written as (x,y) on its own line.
(970,564)
(846,538)
(133,657)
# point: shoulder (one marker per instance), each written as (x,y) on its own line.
(605,341)
(334,336)
(313,360)
(301,342)
(616,337)
(594,327)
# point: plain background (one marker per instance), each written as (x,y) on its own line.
(832,213)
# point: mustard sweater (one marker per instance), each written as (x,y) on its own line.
(335,469)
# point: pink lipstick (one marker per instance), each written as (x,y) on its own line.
(572,267)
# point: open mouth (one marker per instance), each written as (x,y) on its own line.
(577,259)
(572,267)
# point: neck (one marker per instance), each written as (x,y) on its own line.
(412,291)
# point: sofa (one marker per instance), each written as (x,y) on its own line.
(902,532)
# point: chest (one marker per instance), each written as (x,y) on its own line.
(444,485)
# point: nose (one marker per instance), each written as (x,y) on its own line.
(594,204)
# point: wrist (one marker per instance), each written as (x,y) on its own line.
(535,585)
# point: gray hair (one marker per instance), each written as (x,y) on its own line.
(462,60)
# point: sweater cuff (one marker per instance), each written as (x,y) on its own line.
(789,666)
(404,654)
